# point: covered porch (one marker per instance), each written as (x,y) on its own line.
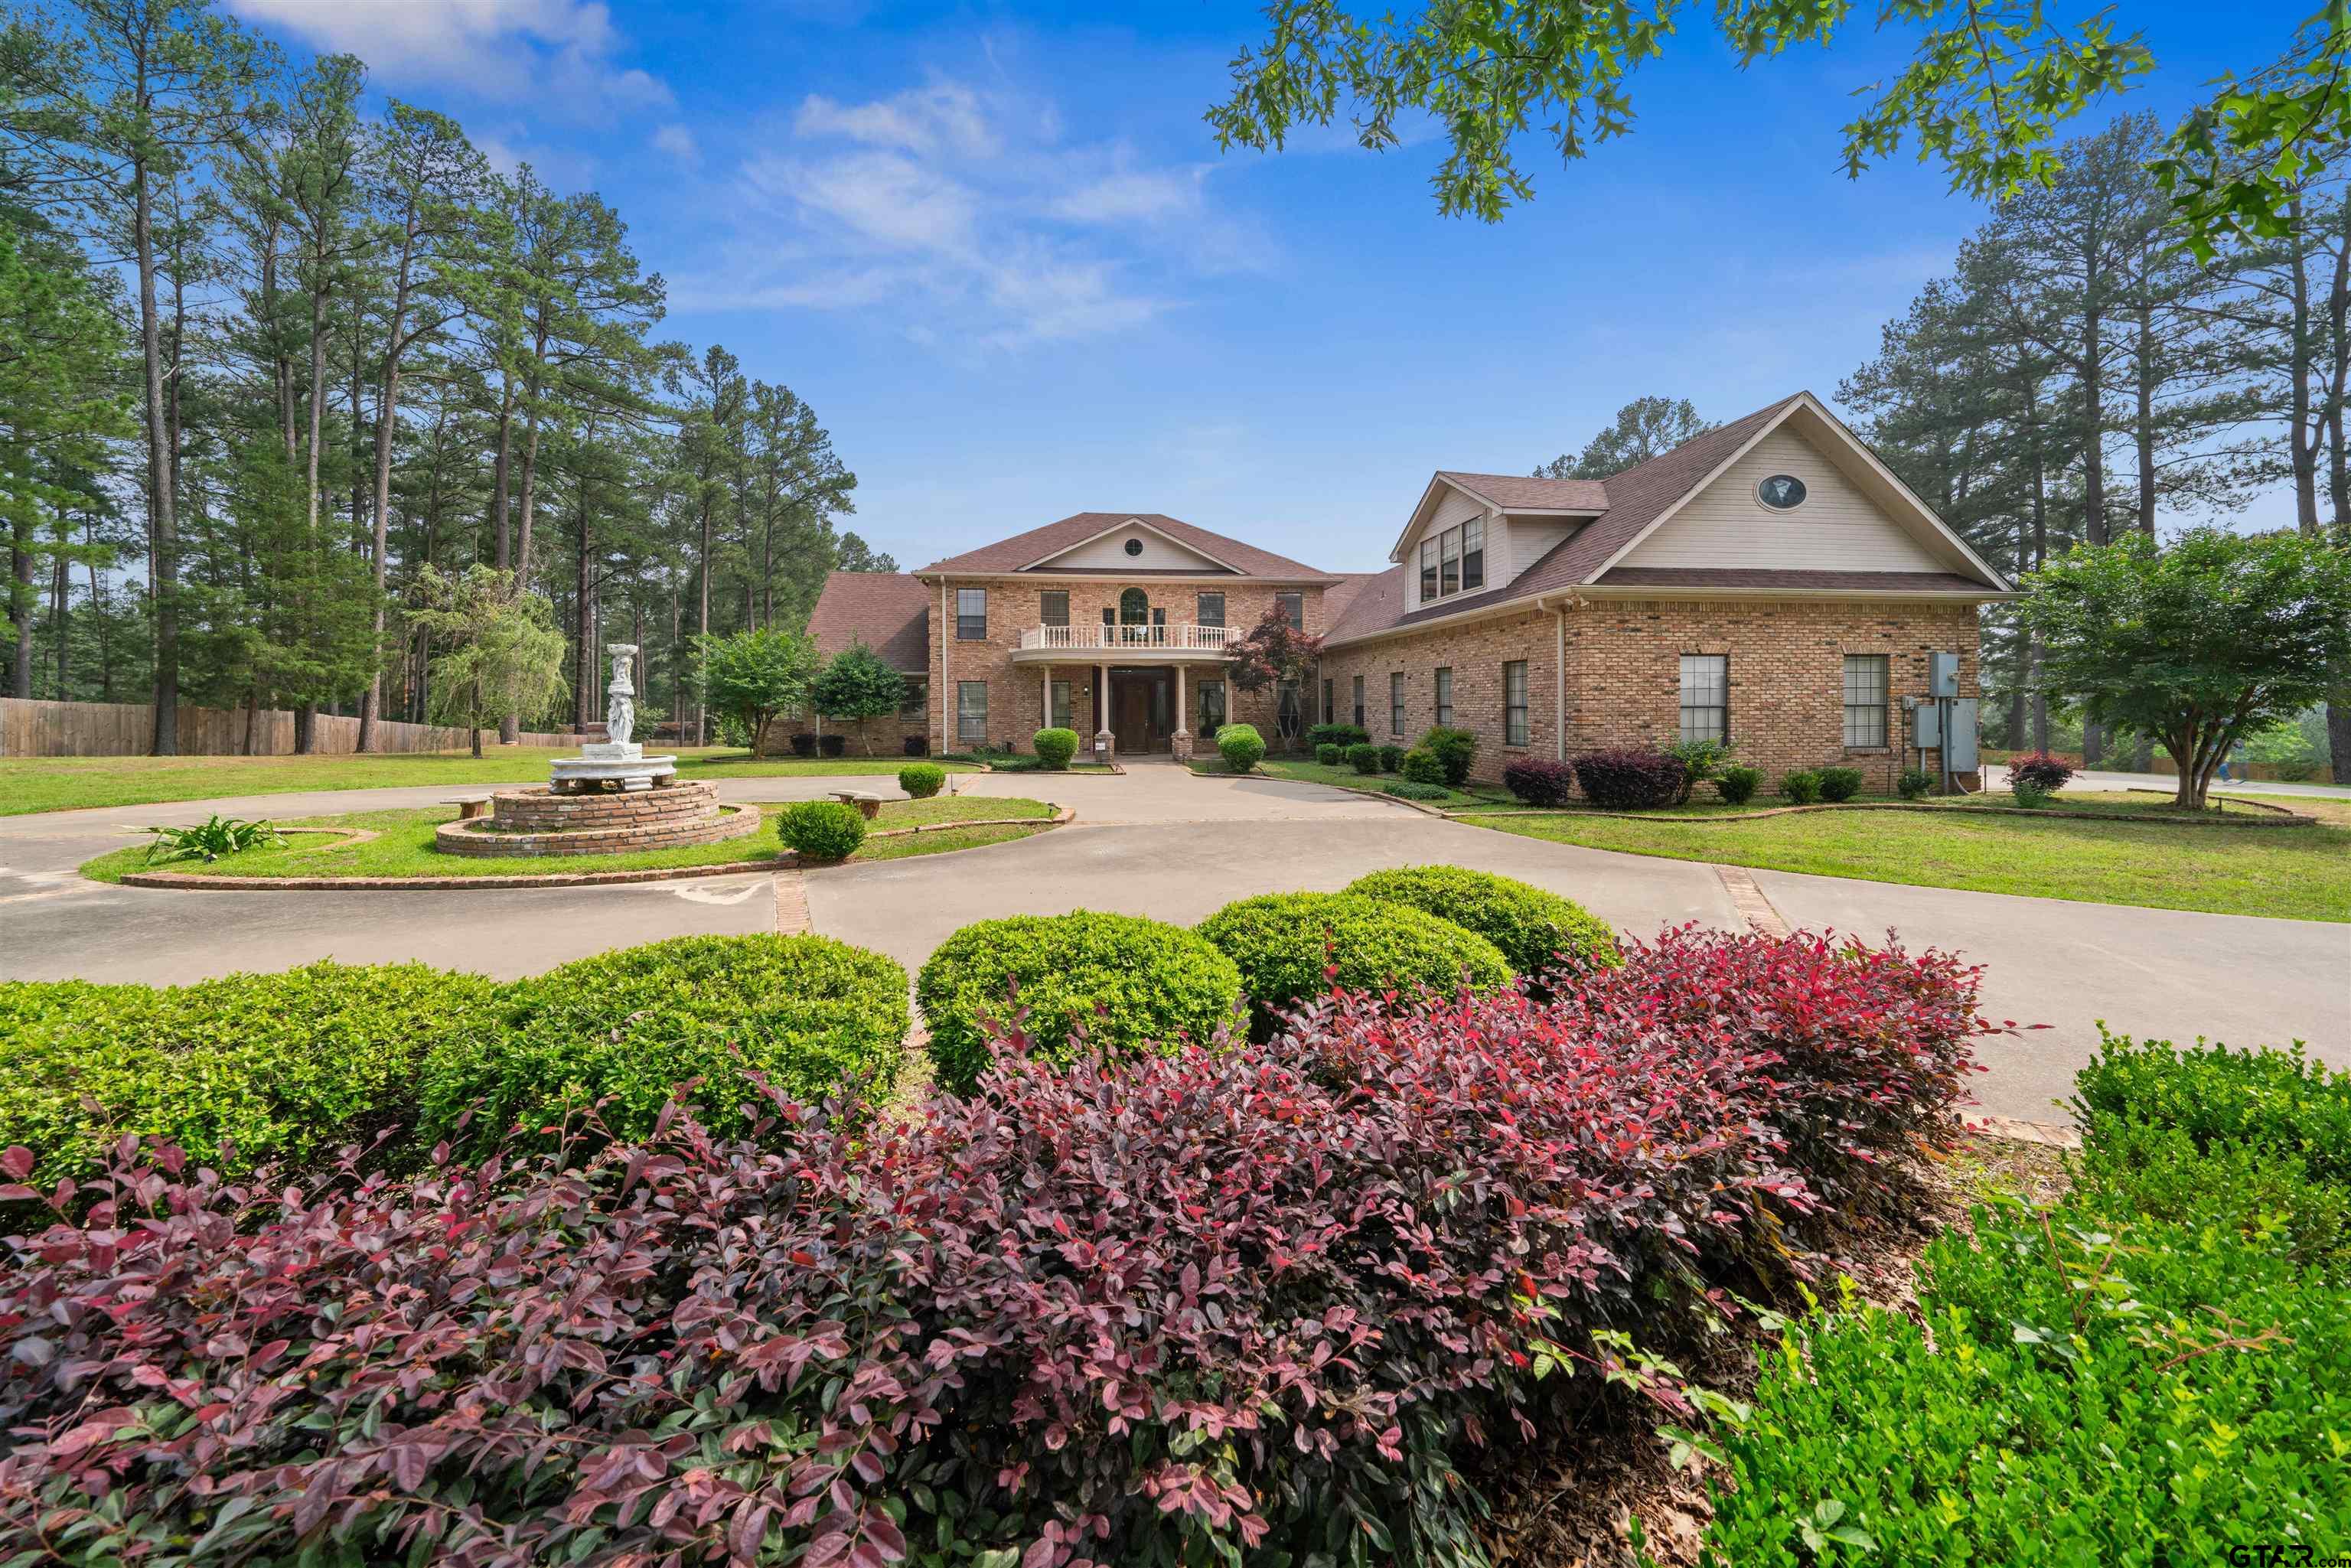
(1158,708)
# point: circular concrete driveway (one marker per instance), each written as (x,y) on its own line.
(1159,842)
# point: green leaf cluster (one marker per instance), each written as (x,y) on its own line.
(1284,941)
(1529,925)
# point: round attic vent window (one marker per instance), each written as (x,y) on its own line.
(1135,547)
(1782,492)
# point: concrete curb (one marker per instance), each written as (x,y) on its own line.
(2054,1135)
(1422,807)
(783,860)
(2282,818)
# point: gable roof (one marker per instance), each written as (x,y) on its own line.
(889,612)
(1528,493)
(1644,496)
(1023,553)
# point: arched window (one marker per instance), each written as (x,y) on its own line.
(1134,607)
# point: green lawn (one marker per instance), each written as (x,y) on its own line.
(2293,873)
(403,846)
(56,783)
(1311,772)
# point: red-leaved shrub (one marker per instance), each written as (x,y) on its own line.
(1539,781)
(1631,781)
(2045,768)
(1140,1309)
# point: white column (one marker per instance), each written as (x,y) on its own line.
(1180,743)
(1045,698)
(1102,697)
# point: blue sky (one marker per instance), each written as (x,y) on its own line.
(998,250)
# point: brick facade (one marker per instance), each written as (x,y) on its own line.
(1015,691)
(1622,659)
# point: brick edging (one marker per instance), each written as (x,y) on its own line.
(783,860)
(2283,817)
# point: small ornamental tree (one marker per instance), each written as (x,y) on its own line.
(1274,651)
(501,650)
(753,676)
(858,685)
(2216,636)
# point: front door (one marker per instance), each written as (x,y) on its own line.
(1139,710)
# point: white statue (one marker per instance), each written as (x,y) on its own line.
(621,697)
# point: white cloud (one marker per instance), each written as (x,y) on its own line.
(964,214)
(555,54)
(679,143)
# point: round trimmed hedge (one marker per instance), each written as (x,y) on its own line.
(821,831)
(1134,983)
(1282,942)
(809,1014)
(239,1071)
(1240,746)
(1055,746)
(1528,926)
(922,780)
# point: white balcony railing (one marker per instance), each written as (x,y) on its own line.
(1089,639)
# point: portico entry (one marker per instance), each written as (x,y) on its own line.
(1141,709)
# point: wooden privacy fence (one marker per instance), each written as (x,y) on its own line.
(128,729)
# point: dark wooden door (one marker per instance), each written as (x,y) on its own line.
(1131,715)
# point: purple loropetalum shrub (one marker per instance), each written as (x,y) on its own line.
(1629,780)
(1539,781)
(2045,769)
(1106,1311)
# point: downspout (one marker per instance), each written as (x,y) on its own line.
(1559,673)
(946,731)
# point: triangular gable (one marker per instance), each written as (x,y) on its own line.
(1108,550)
(1859,515)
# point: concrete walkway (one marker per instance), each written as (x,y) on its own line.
(1160,842)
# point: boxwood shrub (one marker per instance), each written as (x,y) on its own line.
(1529,927)
(812,1015)
(1455,751)
(1130,983)
(1055,746)
(1800,788)
(238,1072)
(1422,766)
(1363,757)
(1283,942)
(1736,784)
(1391,758)
(1342,735)
(1240,746)
(821,831)
(1840,783)
(922,780)
(1330,756)
(2277,1101)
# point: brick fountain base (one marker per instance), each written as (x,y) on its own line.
(539,821)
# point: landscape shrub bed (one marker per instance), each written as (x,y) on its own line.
(1840,784)
(921,780)
(1630,780)
(1422,766)
(1218,1306)
(1285,942)
(1455,751)
(809,1014)
(1240,746)
(2157,1369)
(821,831)
(237,1071)
(1128,983)
(1342,735)
(1391,758)
(1529,927)
(1539,781)
(1055,746)
(1363,757)
(1737,783)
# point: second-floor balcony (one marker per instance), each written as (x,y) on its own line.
(1084,643)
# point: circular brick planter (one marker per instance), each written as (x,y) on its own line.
(615,831)
(540,810)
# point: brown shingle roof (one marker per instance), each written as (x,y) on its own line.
(1772,578)
(1024,550)
(889,612)
(1524,492)
(1377,604)
(1342,593)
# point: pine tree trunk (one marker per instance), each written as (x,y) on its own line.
(2338,737)
(21,599)
(162,526)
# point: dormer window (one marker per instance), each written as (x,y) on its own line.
(1453,562)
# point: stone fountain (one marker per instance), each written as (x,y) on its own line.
(611,799)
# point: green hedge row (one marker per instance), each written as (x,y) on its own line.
(256,1069)
(2155,1371)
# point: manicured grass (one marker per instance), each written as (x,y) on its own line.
(2293,874)
(57,783)
(403,846)
(1345,777)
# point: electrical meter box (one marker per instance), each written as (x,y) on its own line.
(1942,675)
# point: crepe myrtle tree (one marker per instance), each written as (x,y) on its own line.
(2211,638)
(856,685)
(753,676)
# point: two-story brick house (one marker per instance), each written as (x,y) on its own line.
(1771,583)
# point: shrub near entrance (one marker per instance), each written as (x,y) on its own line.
(1055,746)
(1127,982)
(811,1015)
(1283,942)
(1240,746)
(921,780)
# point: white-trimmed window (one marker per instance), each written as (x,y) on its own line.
(1453,562)
(1359,702)
(1444,696)
(971,616)
(1396,702)
(1706,696)
(1448,562)
(1865,700)
(1514,702)
(971,711)
(1473,554)
(1060,717)
(1428,569)
(1052,607)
